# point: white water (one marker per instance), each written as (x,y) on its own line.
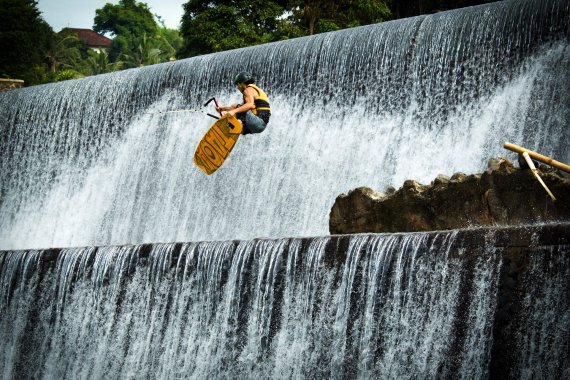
(84,163)
(546,320)
(253,309)
(387,306)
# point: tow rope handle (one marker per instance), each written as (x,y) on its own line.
(216,103)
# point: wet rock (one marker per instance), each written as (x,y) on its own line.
(458,177)
(503,195)
(441,180)
(493,164)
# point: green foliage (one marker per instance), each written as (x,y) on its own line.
(67,75)
(24,39)
(365,12)
(409,8)
(128,18)
(308,13)
(169,43)
(66,51)
(219,25)
(37,75)
(120,46)
(287,28)
(33,52)
(228,24)
(150,51)
(146,53)
(323,26)
(139,39)
(98,63)
(318,16)
(127,21)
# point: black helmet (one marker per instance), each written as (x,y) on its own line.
(243,77)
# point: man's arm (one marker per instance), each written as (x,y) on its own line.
(249,102)
(226,108)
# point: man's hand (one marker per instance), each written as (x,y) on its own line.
(220,109)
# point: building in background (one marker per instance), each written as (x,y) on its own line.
(94,40)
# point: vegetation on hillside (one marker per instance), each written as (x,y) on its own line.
(24,39)
(33,52)
(218,25)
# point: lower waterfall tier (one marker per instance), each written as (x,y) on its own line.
(478,303)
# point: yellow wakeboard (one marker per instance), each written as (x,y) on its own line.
(217,143)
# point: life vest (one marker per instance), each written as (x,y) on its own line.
(262,103)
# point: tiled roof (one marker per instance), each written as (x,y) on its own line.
(91,38)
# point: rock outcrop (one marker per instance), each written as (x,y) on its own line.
(504,195)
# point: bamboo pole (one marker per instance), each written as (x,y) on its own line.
(535,172)
(537,156)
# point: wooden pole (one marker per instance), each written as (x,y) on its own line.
(535,172)
(537,156)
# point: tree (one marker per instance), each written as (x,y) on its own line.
(151,50)
(146,53)
(126,18)
(24,40)
(228,24)
(66,51)
(170,40)
(219,25)
(99,63)
(288,27)
(309,12)
(318,16)
(409,8)
(127,21)
(64,75)
(366,12)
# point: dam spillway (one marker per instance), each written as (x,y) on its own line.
(479,303)
(97,161)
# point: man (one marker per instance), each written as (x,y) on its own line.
(254,112)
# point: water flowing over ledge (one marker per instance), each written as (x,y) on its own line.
(91,162)
(467,303)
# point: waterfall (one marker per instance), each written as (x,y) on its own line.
(424,305)
(96,161)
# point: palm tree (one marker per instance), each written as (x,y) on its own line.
(150,51)
(98,63)
(63,53)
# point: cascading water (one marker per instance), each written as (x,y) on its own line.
(93,162)
(360,306)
